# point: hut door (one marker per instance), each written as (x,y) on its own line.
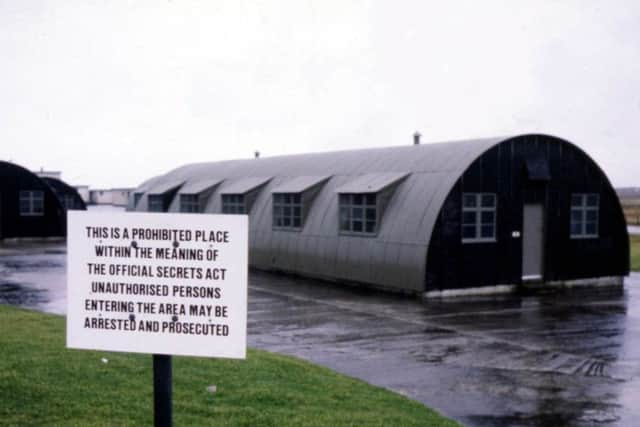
(533,242)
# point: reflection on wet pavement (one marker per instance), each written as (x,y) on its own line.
(568,358)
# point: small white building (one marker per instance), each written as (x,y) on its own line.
(113,196)
(49,174)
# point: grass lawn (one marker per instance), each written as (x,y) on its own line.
(635,252)
(43,383)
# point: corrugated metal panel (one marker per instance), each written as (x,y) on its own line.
(165,186)
(371,182)
(197,187)
(393,258)
(244,185)
(299,184)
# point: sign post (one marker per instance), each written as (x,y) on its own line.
(162,401)
(164,284)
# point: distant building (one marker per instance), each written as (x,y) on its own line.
(49,174)
(113,196)
(33,207)
(447,218)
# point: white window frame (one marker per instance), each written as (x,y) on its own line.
(34,200)
(354,213)
(287,211)
(582,209)
(234,204)
(189,203)
(478,209)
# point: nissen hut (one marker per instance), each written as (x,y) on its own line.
(455,217)
(29,208)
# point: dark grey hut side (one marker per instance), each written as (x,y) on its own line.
(68,196)
(417,244)
(13,224)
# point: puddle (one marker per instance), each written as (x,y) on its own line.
(21,295)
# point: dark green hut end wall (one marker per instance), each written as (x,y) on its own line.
(502,170)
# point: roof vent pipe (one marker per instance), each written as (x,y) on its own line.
(256,154)
(416,138)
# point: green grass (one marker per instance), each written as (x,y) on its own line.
(635,252)
(43,383)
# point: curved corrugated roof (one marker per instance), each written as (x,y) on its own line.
(318,249)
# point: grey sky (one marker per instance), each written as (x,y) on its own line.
(113,92)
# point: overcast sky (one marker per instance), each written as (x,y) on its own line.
(114,92)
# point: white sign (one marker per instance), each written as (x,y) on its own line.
(172,284)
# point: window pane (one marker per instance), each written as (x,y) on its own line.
(487,217)
(591,228)
(277,198)
(357,226)
(469,200)
(344,214)
(286,221)
(371,214)
(592,215)
(576,200)
(357,213)
(469,217)
(297,199)
(486,231)
(576,215)
(286,211)
(488,200)
(576,228)
(592,200)
(357,199)
(297,211)
(370,199)
(297,222)
(344,199)
(468,231)
(156,203)
(370,227)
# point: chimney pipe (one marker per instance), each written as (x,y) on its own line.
(416,138)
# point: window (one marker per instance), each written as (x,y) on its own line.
(156,203)
(478,217)
(584,215)
(136,198)
(31,203)
(358,213)
(233,204)
(287,210)
(189,203)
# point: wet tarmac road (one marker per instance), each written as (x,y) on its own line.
(558,359)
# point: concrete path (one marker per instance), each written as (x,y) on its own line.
(550,360)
